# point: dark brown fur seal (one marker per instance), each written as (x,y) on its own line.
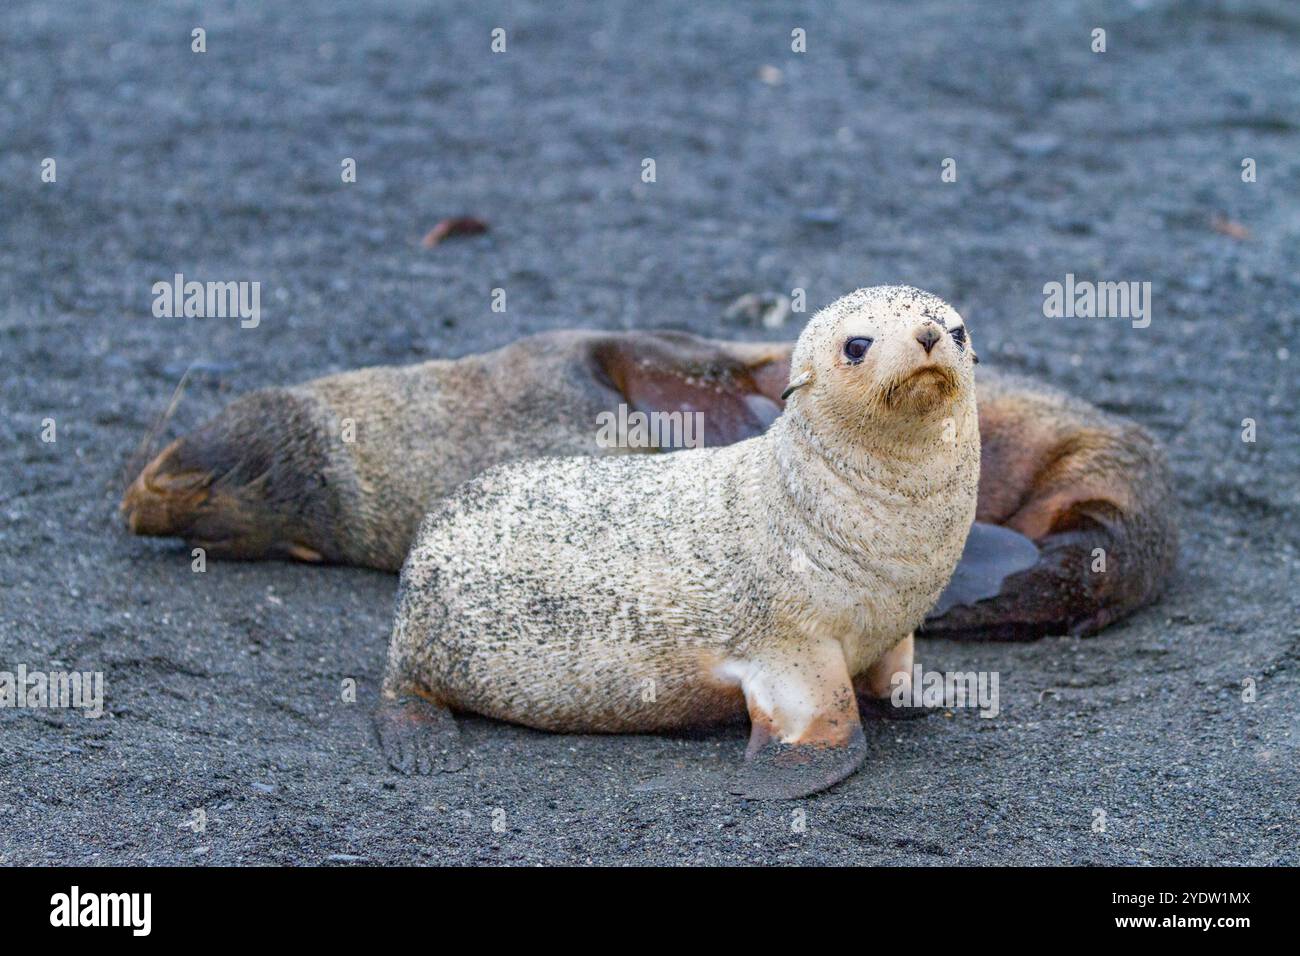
(273,476)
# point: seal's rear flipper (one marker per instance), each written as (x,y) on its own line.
(992,554)
(1004,595)
(418,737)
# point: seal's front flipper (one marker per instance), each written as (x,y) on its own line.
(418,736)
(884,690)
(806,734)
(777,771)
(735,387)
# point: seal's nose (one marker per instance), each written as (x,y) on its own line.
(927,336)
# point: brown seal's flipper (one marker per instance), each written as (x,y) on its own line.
(418,736)
(734,386)
(1060,593)
(806,735)
(992,554)
(254,482)
(1091,491)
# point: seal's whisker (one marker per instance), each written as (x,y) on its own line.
(142,453)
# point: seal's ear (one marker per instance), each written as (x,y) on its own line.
(797,383)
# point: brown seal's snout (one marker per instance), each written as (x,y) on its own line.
(928,334)
(179,494)
(164,496)
(251,483)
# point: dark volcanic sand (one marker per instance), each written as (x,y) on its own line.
(223,688)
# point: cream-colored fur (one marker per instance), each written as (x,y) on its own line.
(646,592)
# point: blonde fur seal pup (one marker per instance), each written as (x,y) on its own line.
(274,474)
(646,593)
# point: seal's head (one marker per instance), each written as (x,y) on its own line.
(881,356)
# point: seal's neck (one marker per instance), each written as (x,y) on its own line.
(902,458)
(882,517)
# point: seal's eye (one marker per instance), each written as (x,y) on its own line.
(959,336)
(854,349)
